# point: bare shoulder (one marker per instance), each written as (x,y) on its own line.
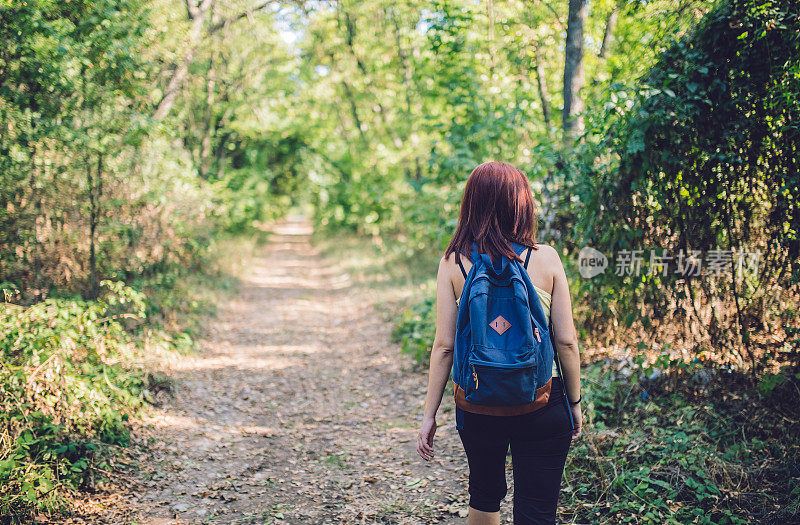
(548,261)
(547,253)
(447,264)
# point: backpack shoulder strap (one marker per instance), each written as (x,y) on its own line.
(528,257)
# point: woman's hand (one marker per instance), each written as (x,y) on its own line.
(577,418)
(425,438)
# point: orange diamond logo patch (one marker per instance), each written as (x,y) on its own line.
(500,325)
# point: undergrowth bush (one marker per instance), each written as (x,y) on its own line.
(415,330)
(70,378)
(685,445)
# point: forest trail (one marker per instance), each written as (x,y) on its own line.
(298,410)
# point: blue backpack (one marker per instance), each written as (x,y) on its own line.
(503,358)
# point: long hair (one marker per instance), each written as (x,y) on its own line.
(497,208)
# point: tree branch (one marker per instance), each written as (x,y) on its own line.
(191,9)
(555,14)
(235,18)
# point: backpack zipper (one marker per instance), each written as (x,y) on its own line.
(474,375)
(506,366)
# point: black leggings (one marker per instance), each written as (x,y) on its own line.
(539,443)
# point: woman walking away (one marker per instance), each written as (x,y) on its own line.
(504,326)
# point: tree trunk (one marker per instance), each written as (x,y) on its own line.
(354,110)
(94,182)
(611,22)
(350,37)
(541,83)
(211,84)
(571,118)
(198,16)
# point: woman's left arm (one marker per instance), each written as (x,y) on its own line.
(441,358)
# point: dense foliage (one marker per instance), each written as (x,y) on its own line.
(701,159)
(406,101)
(101,176)
(129,144)
(61,394)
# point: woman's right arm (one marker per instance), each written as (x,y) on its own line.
(441,360)
(566,341)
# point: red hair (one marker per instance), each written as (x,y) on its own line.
(497,208)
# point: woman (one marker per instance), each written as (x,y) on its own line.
(497,210)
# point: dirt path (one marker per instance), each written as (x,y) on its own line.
(299,410)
